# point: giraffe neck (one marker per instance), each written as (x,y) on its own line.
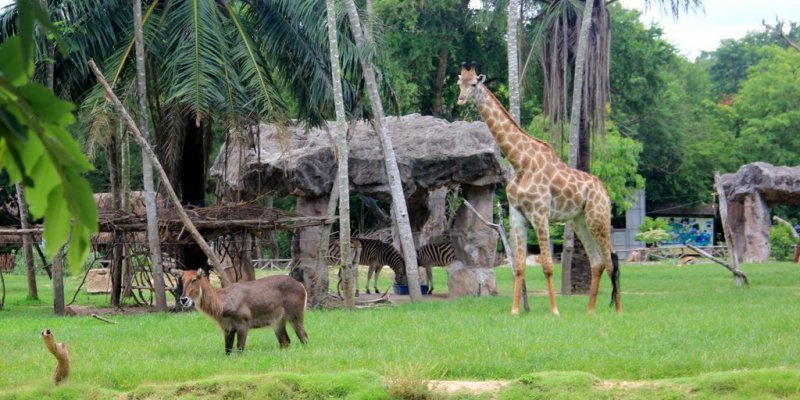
(513,141)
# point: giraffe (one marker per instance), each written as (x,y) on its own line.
(545,189)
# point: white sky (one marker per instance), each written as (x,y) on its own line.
(721,19)
(703,30)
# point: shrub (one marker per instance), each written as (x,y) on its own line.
(653,231)
(782,242)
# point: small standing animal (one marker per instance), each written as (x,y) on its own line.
(269,301)
(376,254)
(434,254)
(61,353)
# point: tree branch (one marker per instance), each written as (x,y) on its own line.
(147,150)
(509,252)
(778,31)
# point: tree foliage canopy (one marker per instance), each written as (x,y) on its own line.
(36,148)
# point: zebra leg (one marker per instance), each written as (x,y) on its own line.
(377,272)
(429,273)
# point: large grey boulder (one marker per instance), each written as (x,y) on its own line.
(750,192)
(430,152)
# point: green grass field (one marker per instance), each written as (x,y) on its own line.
(686,332)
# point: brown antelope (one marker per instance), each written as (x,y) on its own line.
(269,301)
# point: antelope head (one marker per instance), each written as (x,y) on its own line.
(192,291)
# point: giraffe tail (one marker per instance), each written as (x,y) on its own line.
(614,278)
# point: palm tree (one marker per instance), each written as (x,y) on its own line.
(153,240)
(211,63)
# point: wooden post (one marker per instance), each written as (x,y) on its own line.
(148,151)
(726,226)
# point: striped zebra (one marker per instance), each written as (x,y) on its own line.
(434,254)
(374,254)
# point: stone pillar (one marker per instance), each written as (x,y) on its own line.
(434,226)
(736,224)
(305,244)
(756,228)
(475,246)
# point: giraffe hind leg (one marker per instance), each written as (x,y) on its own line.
(595,258)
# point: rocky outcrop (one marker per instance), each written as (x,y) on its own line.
(750,192)
(431,153)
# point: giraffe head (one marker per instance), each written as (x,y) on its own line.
(469,82)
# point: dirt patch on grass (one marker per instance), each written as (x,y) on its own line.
(471,387)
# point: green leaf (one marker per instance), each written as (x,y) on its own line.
(56,221)
(78,246)
(53,109)
(13,67)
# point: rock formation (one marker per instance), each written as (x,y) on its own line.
(750,192)
(431,153)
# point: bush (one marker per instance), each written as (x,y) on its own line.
(782,242)
(653,231)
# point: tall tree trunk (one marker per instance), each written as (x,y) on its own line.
(393,173)
(58,282)
(28,240)
(570,264)
(112,147)
(512,35)
(513,59)
(154,242)
(342,175)
(125,206)
(438,84)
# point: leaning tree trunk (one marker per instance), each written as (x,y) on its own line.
(570,264)
(154,242)
(393,173)
(342,175)
(27,245)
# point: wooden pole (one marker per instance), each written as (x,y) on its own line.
(148,151)
(726,227)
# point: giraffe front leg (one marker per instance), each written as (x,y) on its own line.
(546,259)
(519,237)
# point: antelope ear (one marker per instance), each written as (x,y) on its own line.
(481,78)
(464,65)
(201,272)
(175,272)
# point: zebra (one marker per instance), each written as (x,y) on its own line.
(374,254)
(434,254)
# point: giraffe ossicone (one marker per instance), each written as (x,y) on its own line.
(545,189)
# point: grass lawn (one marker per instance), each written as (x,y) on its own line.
(686,332)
